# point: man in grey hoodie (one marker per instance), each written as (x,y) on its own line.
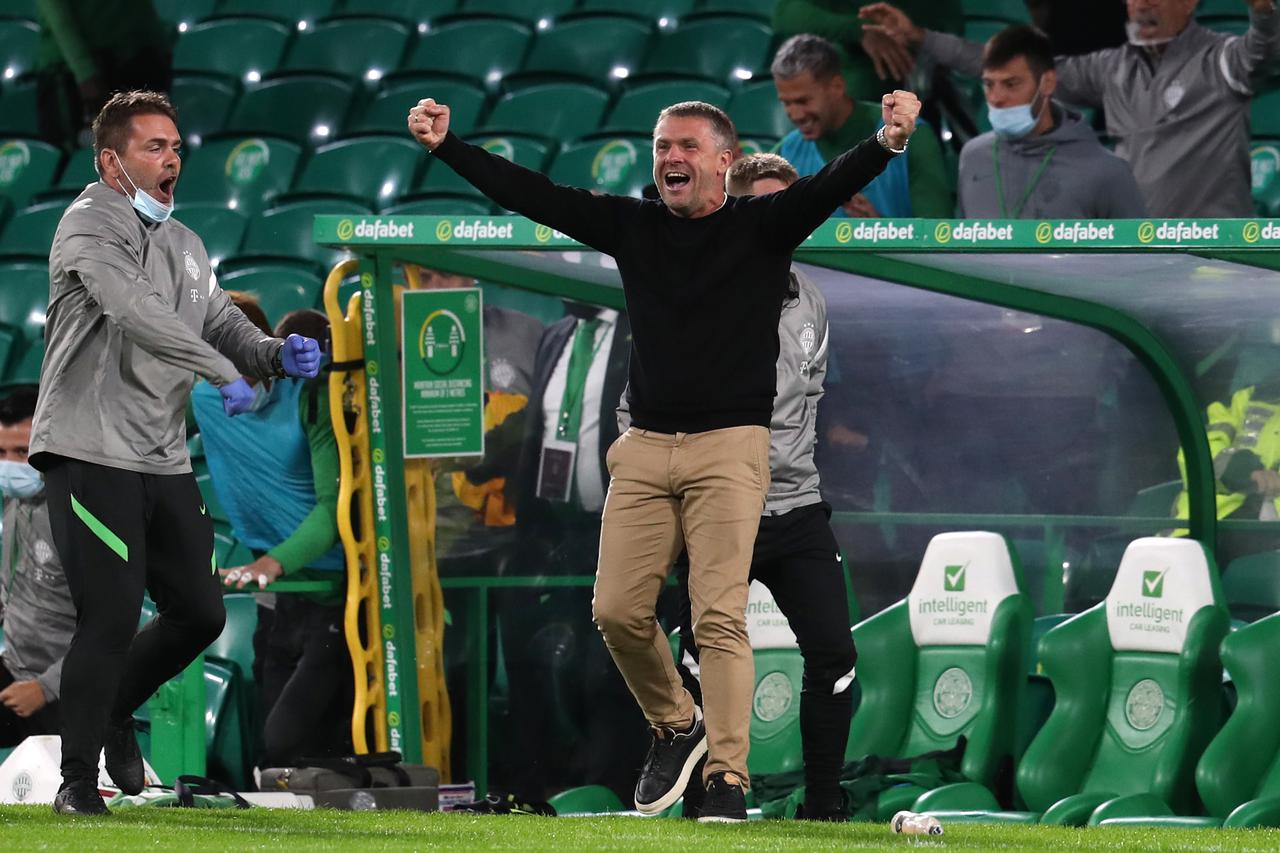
(1040,161)
(135,314)
(1176,96)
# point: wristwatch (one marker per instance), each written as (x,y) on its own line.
(884,143)
(277,360)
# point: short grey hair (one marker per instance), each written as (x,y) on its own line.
(806,53)
(721,125)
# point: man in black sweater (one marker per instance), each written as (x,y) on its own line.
(703,276)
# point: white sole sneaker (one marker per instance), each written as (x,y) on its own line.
(673,796)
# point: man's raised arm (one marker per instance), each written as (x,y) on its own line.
(590,219)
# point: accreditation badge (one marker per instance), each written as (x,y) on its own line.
(555,470)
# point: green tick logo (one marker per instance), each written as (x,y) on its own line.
(1153,584)
(953,578)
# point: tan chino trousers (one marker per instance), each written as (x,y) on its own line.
(703,491)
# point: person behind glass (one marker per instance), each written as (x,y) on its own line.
(1040,160)
(703,275)
(135,316)
(39,616)
(275,471)
(796,555)
(565,692)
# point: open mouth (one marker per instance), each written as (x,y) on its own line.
(166,188)
(675,180)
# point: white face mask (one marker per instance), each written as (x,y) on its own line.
(19,480)
(1131,29)
(143,202)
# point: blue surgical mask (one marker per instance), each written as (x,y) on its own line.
(1014,122)
(19,480)
(143,202)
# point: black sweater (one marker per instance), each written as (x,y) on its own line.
(703,295)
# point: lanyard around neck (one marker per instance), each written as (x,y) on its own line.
(1031,187)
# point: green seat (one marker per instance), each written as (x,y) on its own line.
(719,49)
(594,47)
(20,9)
(1264,161)
(1013,11)
(79,171)
(220,227)
(1238,777)
(207,48)
(280,287)
(387,111)
(758,145)
(242,173)
(26,168)
(290,12)
(443,205)
(296,106)
(351,47)
(949,660)
(286,230)
(1225,8)
(374,169)
(18,109)
(1235,25)
(482,50)
(775,696)
(203,103)
(1252,585)
(439,178)
(762,9)
(228,744)
(18,46)
(30,231)
(235,644)
(553,110)
(413,12)
(1137,682)
(756,110)
(621,165)
(184,11)
(24,300)
(588,799)
(637,108)
(653,10)
(529,11)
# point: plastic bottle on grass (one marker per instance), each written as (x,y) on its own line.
(910,823)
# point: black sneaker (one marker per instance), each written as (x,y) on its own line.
(694,792)
(79,798)
(828,806)
(123,758)
(725,802)
(669,765)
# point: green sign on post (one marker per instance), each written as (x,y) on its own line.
(443,372)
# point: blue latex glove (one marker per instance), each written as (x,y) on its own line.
(237,397)
(300,357)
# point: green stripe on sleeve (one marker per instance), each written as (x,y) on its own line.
(112,541)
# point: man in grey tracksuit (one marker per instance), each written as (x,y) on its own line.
(38,615)
(135,314)
(1176,97)
(796,555)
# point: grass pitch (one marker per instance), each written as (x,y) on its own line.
(29,828)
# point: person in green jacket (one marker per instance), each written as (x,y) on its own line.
(89,49)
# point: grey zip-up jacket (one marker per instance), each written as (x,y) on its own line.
(1181,121)
(1082,180)
(802,365)
(39,616)
(135,314)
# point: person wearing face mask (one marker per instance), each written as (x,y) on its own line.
(135,315)
(39,616)
(1040,161)
(275,472)
(1176,97)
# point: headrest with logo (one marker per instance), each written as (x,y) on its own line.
(1160,585)
(963,578)
(766,626)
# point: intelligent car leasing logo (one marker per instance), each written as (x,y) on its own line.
(246,161)
(612,164)
(953,578)
(14,157)
(1153,584)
